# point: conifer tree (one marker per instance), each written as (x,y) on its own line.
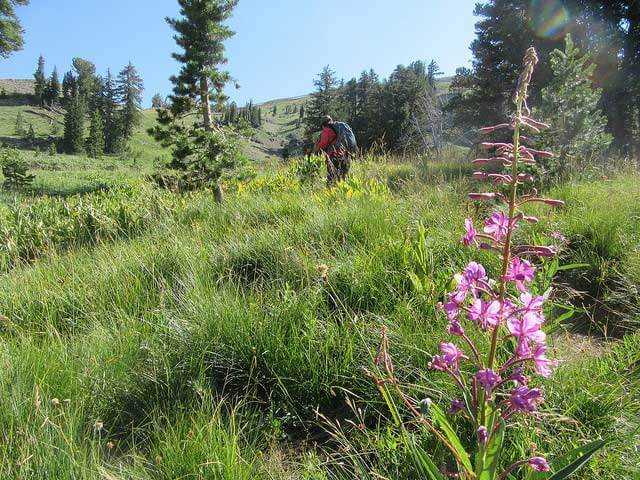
(110,115)
(73,139)
(53,88)
(19,128)
(274,112)
(69,87)
(571,105)
(203,150)
(85,78)
(157,101)
(323,100)
(11,33)
(40,86)
(95,140)
(129,93)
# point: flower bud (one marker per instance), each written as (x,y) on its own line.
(483,196)
(539,464)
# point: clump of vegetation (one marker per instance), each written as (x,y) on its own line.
(15,169)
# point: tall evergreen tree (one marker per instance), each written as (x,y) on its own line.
(85,78)
(73,139)
(11,33)
(129,91)
(571,105)
(40,86)
(95,140)
(110,115)
(69,88)
(203,150)
(323,101)
(54,88)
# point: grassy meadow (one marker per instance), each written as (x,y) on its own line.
(148,335)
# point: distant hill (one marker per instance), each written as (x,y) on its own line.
(20,87)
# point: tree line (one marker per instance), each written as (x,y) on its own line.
(378,110)
(111,105)
(608,31)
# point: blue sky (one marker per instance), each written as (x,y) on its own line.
(279,47)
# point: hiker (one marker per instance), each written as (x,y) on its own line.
(338,143)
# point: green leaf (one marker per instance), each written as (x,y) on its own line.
(441,420)
(423,462)
(492,454)
(573,266)
(569,463)
(584,453)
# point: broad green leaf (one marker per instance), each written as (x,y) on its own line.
(492,454)
(441,420)
(585,453)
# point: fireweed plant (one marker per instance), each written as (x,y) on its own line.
(494,394)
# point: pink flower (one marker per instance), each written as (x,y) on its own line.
(527,325)
(525,399)
(497,225)
(532,307)
(456,329)
(451,353)
(470,232)
(473,276)
(488,379)
(539,464)
(456,406)
(519,377)
(520,271)
(449,358)
(487,314)
(541,363)
(451,308)
(483,435)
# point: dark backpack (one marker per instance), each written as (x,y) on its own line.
(345,139)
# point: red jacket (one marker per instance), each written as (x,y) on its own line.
(327,139)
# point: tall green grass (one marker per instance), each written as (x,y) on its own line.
(202,342)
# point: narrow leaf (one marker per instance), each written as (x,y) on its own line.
(423,462)
(492,455)
(441,420)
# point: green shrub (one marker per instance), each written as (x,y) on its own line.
(15,169)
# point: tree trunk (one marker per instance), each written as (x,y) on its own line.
(218,194)
(206,103)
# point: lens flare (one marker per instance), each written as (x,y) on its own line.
(549,18)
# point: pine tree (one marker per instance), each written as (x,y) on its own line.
(19,128)
(53,88)
(323,101)
(95,140)
(85,78)
(73,139)
(274,111)
(11,33)
(69,87)
(203,150)
(157,101)
(110,114)
(40,86)
(129,93)
(571,105)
